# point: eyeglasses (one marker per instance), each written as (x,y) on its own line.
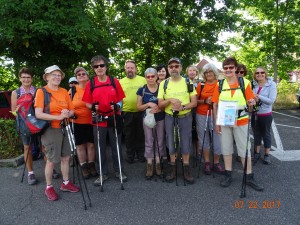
(239,72)
(80,74)
(228,67)
(73,82)
(26,77)
(262,72)
(101,65)
(150,76)
(56,75)
(207,72)
(174,66)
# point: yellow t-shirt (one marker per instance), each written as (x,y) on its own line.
(130,87)
(178,90)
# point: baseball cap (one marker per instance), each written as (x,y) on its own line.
(174,59)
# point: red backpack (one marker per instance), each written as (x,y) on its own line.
(27,123)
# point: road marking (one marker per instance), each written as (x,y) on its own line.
(277,137)
(295,117)
(287,126)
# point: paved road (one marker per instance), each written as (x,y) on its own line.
(150,202)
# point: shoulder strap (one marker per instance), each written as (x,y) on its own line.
(112,81)
(220,85)
(144,89)
(18,93)
(166,84)
(92,84)
(202,86)
(73,91)
(242,85)
(46,100)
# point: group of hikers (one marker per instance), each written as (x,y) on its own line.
(163,114)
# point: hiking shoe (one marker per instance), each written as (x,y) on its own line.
(149,172)
(218,168)
(130,160)
(92,167)
(98,181)
(227,180)
(55,175)
(256,157)
(267,160)
(69,187)
(172,174)
(85,171)
(31,179)
(124,177)
(207,168)
(253,183)
(158,169)
(188,175)
(51,194)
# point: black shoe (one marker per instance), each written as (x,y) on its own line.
(227,180)
(188,175)
(253,183)
(267,160)
(172,174)
(256,157)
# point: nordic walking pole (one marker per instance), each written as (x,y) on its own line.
(118,149)
(71,139)
(26,159)
(175,113)
(202,147)
(154,153)
(73,160)
(254,146)
(211,139)
(243,189)
(161,164)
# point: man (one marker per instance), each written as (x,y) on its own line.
(133,120)
(178,97)
(232,93)
(72,82)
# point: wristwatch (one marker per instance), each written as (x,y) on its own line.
(183,107)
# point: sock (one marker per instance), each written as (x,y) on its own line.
(49,186)
(82,163)
(31,172)
(66,182)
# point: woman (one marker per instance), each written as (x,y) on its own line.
(83,130)
(192,73)
(241,70)
(56,144)
(162,73)
(265,95)
(102,99)
(154,137)
(26,77)
(204,119)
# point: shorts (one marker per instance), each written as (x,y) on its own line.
(239,134)
(25,139)
(83,133)
(56,144)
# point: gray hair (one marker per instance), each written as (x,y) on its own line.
(212,67)
(150,71)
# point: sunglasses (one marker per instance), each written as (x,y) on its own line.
(239,72)
(228,67)
(73,82)
(81,74)
(174,66)
(262,72)
(150,76)
(101,65)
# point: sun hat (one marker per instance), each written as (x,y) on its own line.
(50,69)
(79,69)
(149,119)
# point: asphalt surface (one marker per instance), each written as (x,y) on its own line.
(157,202)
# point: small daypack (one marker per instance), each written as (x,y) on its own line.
(27,123)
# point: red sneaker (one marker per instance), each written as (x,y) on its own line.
(207,168)
(51,194)
(218,169)
(69,187)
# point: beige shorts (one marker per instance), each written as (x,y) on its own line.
(239,134)
(56,144)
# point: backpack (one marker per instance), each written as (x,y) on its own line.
(241,86)
(73,91)
(202,86)
(190,86)
(27,123)
(112,83)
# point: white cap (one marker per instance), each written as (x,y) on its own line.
(73,79)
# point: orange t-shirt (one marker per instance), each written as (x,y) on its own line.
(248,93)
(207,91)
(59,100)
(81,111)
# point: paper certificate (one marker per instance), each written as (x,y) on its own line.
(227,113)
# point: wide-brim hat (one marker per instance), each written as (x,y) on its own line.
(50,69)
(80,69)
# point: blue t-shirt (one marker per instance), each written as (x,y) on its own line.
(150,97)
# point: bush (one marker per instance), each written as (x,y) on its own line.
(286,96)
(11,144)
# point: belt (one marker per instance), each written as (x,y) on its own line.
(181,116)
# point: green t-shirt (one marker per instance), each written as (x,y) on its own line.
(130,87)
(178,90)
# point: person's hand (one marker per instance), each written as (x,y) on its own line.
(155,109)
(251,102)
(208,100)
(218,129)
